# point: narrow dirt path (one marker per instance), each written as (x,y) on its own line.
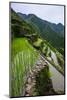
(31,81)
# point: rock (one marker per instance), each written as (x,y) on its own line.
(27,85)
(33,77)
(27,95)
(40,66)
(38,69)
(37,66)
(34,71)
(29,80)
(38,63)
(31,74)
(33,84)
(34,81)
(28,88)
(43,66)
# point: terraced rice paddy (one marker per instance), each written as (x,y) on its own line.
(23,57)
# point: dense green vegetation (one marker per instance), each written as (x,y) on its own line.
(27,43)
(43,83)
(49,31)
(24,57)
(19,27)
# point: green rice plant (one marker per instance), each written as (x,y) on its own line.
(23,59)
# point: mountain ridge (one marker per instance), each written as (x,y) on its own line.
(53,33)
(26,15)
(58,28)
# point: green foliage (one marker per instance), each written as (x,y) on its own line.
(43,84)
(38,42)
(35,27)
(19,27)
(61,50)
(60,60)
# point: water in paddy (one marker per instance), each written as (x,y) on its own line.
(56,77)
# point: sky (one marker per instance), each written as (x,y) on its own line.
(51,13)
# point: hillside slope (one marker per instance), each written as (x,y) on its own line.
(53,33)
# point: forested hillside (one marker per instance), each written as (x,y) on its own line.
(53,33)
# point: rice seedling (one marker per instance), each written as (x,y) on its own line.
(23,58)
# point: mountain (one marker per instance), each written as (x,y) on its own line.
(53,33)
(59,28)
(34,27)
(56,27)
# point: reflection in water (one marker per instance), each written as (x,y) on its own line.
(53,56)
(57,79)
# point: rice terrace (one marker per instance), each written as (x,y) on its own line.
(37,51)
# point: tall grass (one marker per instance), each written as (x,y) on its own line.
(23,58)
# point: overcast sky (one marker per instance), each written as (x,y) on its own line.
(52,13)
